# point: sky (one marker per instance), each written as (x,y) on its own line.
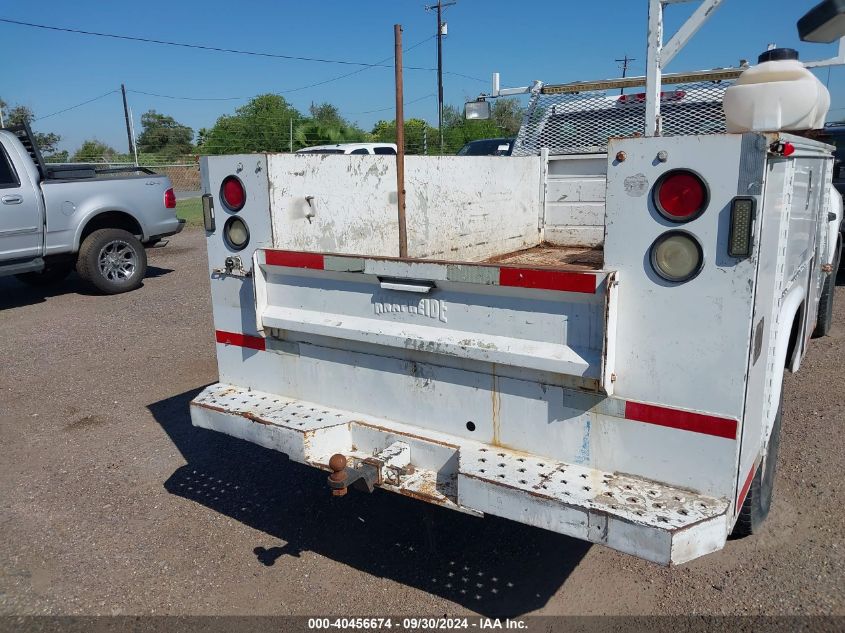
(553,41)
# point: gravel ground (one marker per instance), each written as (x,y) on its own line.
(111,503)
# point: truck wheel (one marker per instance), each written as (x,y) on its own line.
(825,316)
(112,260)
(52,274)
(757,502)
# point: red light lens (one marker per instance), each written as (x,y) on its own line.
(788,149)
(681,196)
(169,199)
(233,194)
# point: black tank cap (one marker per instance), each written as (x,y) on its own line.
(778,55)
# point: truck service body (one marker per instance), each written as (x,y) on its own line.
(528,359)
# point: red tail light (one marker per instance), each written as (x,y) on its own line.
(639,97)
(680,195)
(232,193)
(169,199)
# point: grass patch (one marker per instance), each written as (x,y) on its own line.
(190,210)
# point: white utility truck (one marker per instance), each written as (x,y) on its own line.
(588,337)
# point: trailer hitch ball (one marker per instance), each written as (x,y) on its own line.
(365,477)
(337,480)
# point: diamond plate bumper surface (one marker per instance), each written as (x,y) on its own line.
(644,518)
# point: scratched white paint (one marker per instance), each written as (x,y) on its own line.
(457,207)
(422,369)
(684,345)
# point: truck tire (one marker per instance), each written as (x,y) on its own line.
(112,260)
(52,274)
(758,501)
(825,317)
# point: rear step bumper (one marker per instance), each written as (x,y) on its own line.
(650,520)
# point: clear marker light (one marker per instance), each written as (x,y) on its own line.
(237,233)
(676,256)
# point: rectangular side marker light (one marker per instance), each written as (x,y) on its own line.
(208,213)
(742,220)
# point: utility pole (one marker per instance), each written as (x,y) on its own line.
(132,135)
(126,116)
(440,25)
(625,61)
(400,141)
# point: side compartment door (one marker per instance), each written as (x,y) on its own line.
(21,224)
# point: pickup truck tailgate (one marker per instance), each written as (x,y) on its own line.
(541,319)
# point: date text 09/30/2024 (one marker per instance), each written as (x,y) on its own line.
(410,623)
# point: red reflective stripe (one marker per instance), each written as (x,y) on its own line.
(241,340)
(745,487)
(547,280)
(294,259)
(684,420)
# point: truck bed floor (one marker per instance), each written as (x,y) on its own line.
(576,257)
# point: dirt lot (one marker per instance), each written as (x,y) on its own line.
(111,503)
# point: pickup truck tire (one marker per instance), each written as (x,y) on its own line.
(824,320)
(52,274)
(758,501)
(112,260)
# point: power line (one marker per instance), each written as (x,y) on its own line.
(155,94)
(355,72)
(288,90)
(204,47)
(217,49)
(392,107)
(78,105)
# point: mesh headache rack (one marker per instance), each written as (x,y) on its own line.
(580,117)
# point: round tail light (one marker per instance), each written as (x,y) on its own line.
(677,256)
(680,195)
(232,193)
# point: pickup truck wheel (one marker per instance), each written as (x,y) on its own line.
(52,274)
(825,316)
(112,260)
(758,501)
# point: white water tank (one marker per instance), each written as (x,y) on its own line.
(778,94)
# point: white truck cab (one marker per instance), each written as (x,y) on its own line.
(589,337)
(351,148)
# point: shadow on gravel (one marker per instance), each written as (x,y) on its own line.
(156,271)
(16,294)
(493,566)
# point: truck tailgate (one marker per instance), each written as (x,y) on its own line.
(540,319)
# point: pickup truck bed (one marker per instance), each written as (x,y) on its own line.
(97,220)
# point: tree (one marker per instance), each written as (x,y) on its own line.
(163,135)
(326,126)
(420,137)
(47,141)
(94,151)
(261,125)
(327,114)
(507,115)
(457,131)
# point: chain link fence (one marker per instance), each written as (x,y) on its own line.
(184,172)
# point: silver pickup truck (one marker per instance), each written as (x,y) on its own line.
(57,217)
